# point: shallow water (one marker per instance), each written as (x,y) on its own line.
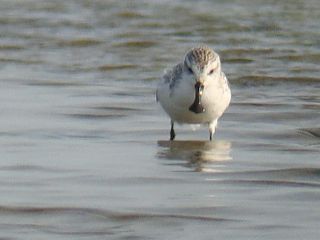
(84,150)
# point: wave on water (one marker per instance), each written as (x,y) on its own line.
(314,132)
(101,213)
(270,80)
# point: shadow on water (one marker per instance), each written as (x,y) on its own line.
(199,156)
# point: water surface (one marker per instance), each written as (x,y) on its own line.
(84,145)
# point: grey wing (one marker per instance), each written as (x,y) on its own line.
(225,82)
(173,76)
(166,79)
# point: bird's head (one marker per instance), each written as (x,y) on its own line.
(204,66)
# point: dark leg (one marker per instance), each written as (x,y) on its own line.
(212,128)
(172,133)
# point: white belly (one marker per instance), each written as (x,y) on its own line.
(176,104)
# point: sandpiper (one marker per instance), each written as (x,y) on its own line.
(195,91)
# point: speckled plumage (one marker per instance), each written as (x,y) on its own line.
(201,56)
(173,75)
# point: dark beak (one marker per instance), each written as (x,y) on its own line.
(196,106)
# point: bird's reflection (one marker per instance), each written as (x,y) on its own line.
(201,156)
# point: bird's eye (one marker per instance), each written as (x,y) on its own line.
(189,70)
(211,71)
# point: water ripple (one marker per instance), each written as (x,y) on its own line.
(255,80)
(100,213)
(315,132)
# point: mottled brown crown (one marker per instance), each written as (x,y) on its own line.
(201,56)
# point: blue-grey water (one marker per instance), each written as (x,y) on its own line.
(84,150)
